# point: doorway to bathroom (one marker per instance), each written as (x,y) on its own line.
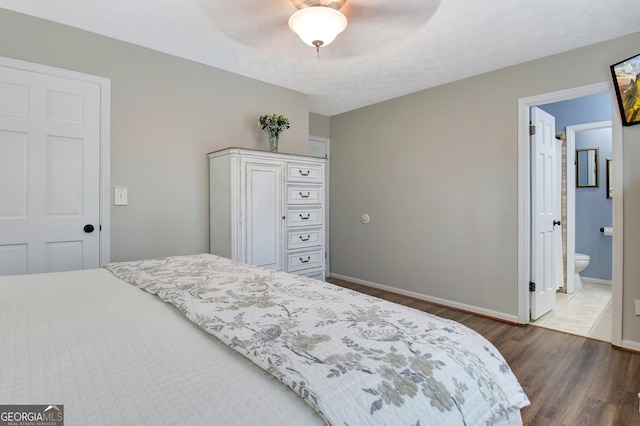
(583,291)
(589,305)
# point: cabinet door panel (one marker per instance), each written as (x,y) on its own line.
(262,214)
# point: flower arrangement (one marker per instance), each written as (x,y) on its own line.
(273,124)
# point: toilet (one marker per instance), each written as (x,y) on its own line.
(581,261)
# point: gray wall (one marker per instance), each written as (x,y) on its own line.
(319,125)
(437,172)
(166,115)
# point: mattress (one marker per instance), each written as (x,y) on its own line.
(112,354)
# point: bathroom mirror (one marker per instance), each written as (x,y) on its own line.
(609,177)
(587,167)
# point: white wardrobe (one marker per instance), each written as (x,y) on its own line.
(267,209)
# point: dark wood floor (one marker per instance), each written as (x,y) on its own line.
(570,380)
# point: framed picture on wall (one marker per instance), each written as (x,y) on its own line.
(626,79)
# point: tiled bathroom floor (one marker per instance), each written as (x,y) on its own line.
(587,312)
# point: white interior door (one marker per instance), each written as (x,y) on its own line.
(50,173)
(544,222)
(320,147)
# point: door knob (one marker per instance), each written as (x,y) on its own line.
(88,228)
(556,222)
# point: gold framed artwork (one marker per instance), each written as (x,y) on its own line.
(626,79)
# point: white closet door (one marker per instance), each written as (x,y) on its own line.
(49,173)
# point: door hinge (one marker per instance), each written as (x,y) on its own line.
(532,129)
(532,286)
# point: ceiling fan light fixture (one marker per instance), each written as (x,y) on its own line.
(318,25)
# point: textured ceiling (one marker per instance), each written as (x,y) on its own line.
(390,47)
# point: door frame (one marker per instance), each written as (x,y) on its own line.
(524,199)
(105,139)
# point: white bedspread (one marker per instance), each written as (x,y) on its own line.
(114,355)
(356,359)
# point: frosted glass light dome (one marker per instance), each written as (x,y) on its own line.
(318,25)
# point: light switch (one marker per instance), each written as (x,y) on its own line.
(120,196)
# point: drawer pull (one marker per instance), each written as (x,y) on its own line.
(305,218)
(304,196)
(305,261)
(304,173)
(305,239)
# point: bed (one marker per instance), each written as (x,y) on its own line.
(205,340)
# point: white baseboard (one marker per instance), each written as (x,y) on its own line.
(631,345)
(461,306)
(596,281)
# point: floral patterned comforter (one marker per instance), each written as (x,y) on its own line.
(354,358)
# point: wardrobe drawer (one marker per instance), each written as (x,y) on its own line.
(306,259)
(315,274)
(304,194)
(297,239)
(300,172)
(304,216)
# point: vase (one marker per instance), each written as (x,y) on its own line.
(273,142)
